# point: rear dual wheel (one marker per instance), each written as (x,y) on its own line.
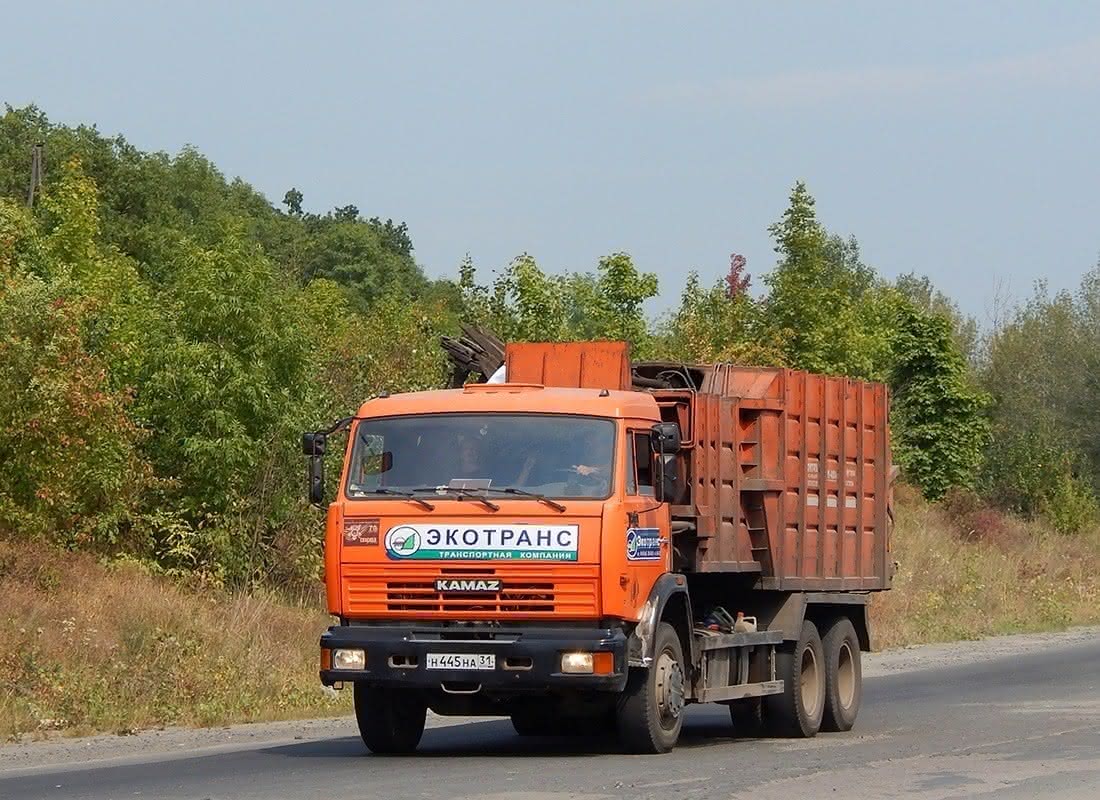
(822,686)
(843,676)
(798,710)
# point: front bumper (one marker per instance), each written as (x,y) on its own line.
(527,658)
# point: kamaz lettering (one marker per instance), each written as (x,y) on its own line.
(467,585)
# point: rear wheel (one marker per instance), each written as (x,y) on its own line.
(390,720)
(843,676)
(651,709)
(798,710)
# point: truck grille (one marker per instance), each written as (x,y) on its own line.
(526,591)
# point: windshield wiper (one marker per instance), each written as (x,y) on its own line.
(461,493)
(473,496)
(554,504)
(398,493)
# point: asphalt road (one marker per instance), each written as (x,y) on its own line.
(1016,725)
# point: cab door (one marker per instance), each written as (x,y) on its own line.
(648,553)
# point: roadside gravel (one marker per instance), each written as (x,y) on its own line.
(908,659)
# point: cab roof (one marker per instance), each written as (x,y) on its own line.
(516,397)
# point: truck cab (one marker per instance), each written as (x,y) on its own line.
(493,540)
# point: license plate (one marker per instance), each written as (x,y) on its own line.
(461,661)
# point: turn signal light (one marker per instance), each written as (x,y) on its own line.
(603,663)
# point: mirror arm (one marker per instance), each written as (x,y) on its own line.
(337,427)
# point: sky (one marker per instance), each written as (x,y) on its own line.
(956,140)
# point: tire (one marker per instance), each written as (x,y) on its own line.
(843,676)
(650,713)
(798,710)
(390,720)
(747,717)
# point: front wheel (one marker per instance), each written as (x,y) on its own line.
(390,720)
(651,710)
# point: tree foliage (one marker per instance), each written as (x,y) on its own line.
(1041,368)
(155,406)
(523,303)
(73,468)
(939,428)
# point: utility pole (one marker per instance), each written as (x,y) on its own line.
(36,173)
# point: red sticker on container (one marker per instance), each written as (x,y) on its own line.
(360,532)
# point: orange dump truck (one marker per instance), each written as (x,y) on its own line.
(599,543)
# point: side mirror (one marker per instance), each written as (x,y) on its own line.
(313,445)
(665,438)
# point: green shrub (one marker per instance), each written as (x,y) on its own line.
(1071,505)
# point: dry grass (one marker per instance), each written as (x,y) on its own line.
(86,647)
(90,647)
(965,572)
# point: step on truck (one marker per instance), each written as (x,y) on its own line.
(594,544)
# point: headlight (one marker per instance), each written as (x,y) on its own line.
(350,659)
(576,663)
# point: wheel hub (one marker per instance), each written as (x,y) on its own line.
(670,686)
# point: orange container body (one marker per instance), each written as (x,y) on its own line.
(787,474)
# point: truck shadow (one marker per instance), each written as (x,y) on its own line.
(496,738)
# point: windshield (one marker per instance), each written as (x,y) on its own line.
(553,455)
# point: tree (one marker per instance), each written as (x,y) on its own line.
(937,416)
(351,253)
(76,474)
(819,296)
(920,291)
(717,324)
(293,202)
(523,303)
(612,306)
(737,280)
